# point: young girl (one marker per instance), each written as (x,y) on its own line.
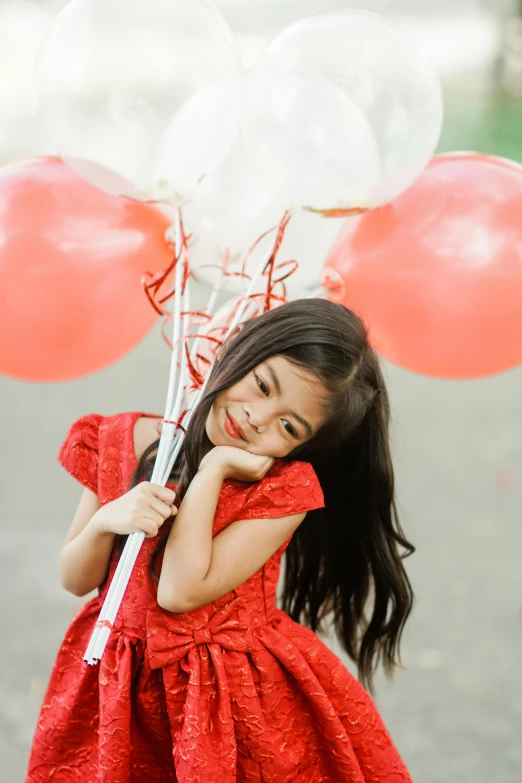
(203,679)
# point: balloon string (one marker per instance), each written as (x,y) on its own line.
(195,376)
(153,283)
(177,424)
(224,271)
(276,275)
(104,624)
(269,270)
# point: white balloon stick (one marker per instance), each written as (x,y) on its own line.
(135,540)
(167,432)
(166,441)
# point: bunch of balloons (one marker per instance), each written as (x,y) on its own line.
(341,113)
(150,111)
(137,97)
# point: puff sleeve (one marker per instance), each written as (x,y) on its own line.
(289,489)
(79,451)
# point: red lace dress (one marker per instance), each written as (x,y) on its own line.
(231,691)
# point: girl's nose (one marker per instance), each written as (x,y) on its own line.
(255,418)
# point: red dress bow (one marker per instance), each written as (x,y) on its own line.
(171,636)
(205,714)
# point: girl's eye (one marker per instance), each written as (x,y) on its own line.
(262,385)
(288,427)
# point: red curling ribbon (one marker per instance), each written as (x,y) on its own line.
(275,273)
(269,269)
(104,624)
(178,423)
(193,372)
(153,283)
(293,264)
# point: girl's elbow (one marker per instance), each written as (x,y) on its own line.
(72,584)
(172,603)
(73,587)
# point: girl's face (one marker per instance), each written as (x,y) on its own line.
(272,410)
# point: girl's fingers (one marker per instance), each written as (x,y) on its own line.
(149,527)
(163,509)
(162,493)
(154,519)
(156,516)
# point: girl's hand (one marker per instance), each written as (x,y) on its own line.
(145,507)
(237,463)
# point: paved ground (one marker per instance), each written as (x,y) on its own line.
(456,710)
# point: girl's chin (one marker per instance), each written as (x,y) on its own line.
(218,438)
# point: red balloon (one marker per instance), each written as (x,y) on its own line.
(71,260)
(437,274)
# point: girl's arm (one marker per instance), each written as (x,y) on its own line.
(85,556)
(86,553)
(197,568)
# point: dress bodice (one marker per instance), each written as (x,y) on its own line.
(99,452)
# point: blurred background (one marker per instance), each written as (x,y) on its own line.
(455,711)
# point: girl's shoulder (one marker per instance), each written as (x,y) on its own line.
(95,440)
(78,453)
(287,488)
(146,432)
(296,469)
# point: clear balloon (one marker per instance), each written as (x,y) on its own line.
(139,96)
(231,209)
(342,113)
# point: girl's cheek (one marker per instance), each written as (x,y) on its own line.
(277,448)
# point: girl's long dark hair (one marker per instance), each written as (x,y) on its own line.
(344,562)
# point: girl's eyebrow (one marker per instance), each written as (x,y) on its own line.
(275,381)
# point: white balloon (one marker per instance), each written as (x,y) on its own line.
(129,90)
(198,136)
(342,112)
(310,141)
(231,209)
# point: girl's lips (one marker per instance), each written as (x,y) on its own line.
(232,428)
